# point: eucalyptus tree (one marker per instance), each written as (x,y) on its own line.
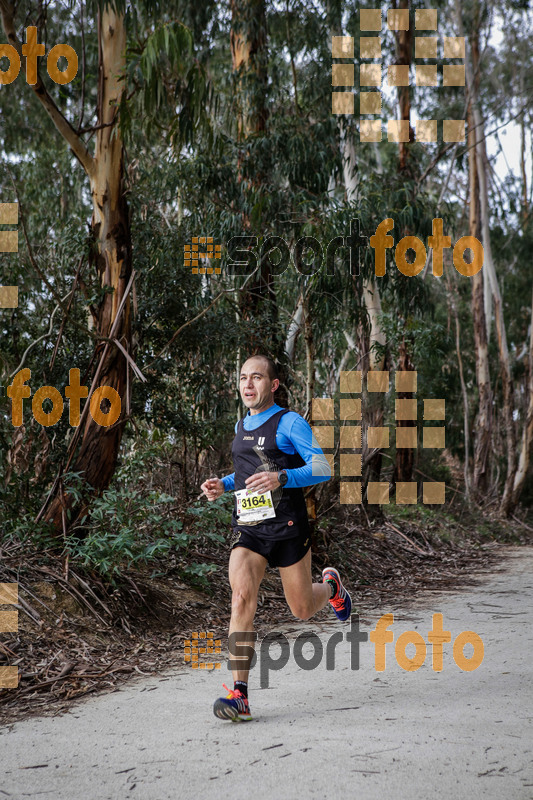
(497,415)
(120,49)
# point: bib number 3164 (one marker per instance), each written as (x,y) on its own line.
(254,506)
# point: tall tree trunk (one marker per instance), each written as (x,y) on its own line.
(248,42)
(464,391)
(294,329)
(483,421)
(351,349)
(258,302)
(480,154)
(404,462)
(368,338)
(98,451)
(525,201)
(503,350)
(404,57)
(527,433)
(97,457)
(403,467)
(373,403)
(308,335)
(309,357)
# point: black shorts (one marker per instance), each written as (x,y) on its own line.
(278,553)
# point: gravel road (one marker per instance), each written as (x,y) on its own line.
(355,733)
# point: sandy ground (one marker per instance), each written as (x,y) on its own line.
(322,733)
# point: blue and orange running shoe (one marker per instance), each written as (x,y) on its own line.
(341,602)
(234,707)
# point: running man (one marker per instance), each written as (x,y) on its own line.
(274,456)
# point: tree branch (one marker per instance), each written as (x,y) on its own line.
(96,336)
(110,341)
(40,339)
(77,145)
(186,324)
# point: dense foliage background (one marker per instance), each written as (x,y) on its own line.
(223,116)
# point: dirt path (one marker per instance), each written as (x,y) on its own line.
(317,733)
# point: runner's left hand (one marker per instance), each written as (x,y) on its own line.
(263,482)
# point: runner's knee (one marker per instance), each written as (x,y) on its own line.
(243,599)
(301,610)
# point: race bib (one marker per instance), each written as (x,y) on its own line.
(254,506)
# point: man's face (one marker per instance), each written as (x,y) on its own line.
(256,387)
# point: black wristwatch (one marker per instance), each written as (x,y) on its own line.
(282,477)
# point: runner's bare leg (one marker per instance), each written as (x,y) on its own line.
(303,596)
(246,571)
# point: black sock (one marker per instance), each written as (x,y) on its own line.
(333,585)
(242,686)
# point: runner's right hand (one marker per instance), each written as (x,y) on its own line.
(212,488)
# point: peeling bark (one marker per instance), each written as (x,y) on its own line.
(97,456)
(479,154)
(112,252)
(527,433)
(483,421)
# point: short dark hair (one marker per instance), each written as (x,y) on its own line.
(271,366)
